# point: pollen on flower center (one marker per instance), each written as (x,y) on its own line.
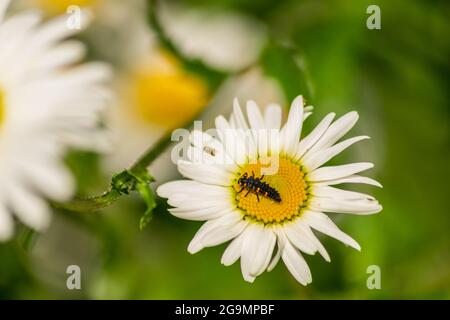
(289,182)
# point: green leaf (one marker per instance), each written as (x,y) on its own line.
(137,180)
(150,200)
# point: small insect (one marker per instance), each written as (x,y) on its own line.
(258,187)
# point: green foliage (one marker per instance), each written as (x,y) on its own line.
(286,65)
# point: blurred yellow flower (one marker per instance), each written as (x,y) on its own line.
(56,7)
(161,92)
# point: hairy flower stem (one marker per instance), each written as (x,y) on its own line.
(121,183)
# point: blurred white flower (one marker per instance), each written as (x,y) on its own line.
(224,40)
(48,103)
(230,187)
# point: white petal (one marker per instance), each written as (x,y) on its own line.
(200,214)
(29,208)
(255,117)
(296,264)
(320,248)
(190,203)
(281,239)
(209,174)
(239,116)
(307,142)
(257,248)
(313,160)
(350,179)
(336,131)
(272,116)
(233,252)
(190,187)
(234,146)
(52,179)
(337,172)
(258,128)
(321,222)
(217,231)
(335,193)
(292,130)
(299,238)
(361,207)
(211,145)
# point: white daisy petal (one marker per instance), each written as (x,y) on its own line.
(53,180)
(205,173)
(255,117)
(272,116)
(307,142)
(336,131)
(337,172)
(233,252)
(296,264)
(299,239)
(217,231)
(291,131)
(313,160)
(361,206)
(243,130)
(321,222)
(308,232)
(42,117)
(201,214)
(350,179)
(188,202)
(234,146)
(335,193)
(212,146)
(30,209)
(191,188)
(280,247)
(257,248)
(241,123)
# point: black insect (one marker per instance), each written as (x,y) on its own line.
(258,187)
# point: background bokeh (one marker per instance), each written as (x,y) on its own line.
(172,61)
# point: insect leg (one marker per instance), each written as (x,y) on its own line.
(247,193)
(257,196)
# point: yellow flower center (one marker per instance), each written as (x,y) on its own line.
(165,94)
(56,7)
(289,182)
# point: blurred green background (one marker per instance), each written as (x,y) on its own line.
(397,78)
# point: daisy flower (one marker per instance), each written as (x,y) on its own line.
(259,208)
(48,103)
